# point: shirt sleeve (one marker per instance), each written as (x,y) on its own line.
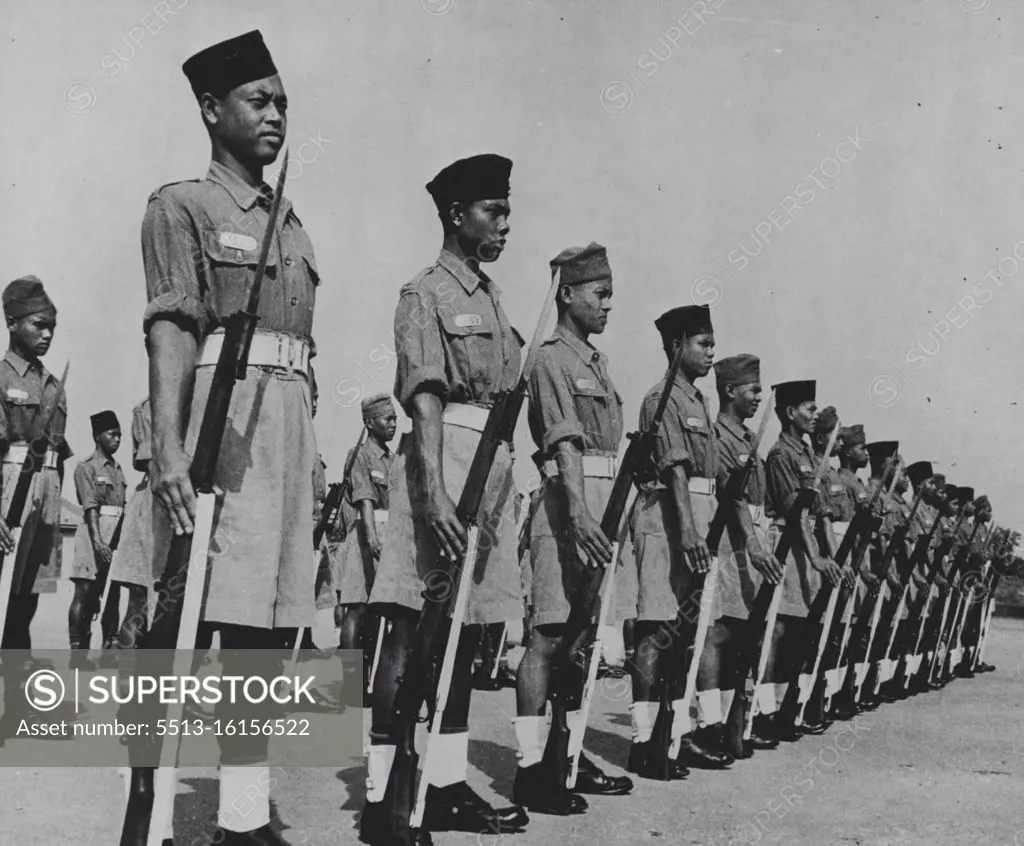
(552,411)
(421,362)
(362,484)
(142,448)
(670,447)
(782,482)
(171,257)
(727,465)
(85,486)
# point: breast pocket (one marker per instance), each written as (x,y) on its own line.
(597,409)
(700,446)
(22,408)
(470,336)
(233,258)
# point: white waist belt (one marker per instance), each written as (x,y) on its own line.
(700,485)
(840,527)
(380,515)
(269,349)
(595,466)
(17,453)
(756,514)
(111,511)
(467,416)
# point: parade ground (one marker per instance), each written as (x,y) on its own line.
(943,768)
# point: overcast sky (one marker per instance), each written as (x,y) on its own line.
(840,180)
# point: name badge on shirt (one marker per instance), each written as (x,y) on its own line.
(16,393)
(836,488)
(695,422)
(103,479)
(237,241)
(465,320)
(377,475)
(862,496)
(742,458)
(805,468)
(586,385)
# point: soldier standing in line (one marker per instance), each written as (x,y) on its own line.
(29,393)
(368,495)
(100,486)
(456,350)
(672,523)
(789,470)
(745,560)
(575,417)
(201,246)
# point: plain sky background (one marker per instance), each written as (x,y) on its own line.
(672,133)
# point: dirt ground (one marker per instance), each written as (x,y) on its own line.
(944,768)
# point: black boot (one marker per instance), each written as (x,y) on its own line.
(262,836)
(457,807)
(702,749)
(535,789)
(641,764)
(593,780)
(735,724)
(376,829)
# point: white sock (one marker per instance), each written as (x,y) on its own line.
(710,704)
(244,798)
(780,691)
(531,734)
(449,759)
(682,723)
(767,701)
(726,701)
(577,728)
(378,770)
(643,715)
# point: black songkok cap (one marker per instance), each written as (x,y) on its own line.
(224,66)
(789,394)
(684,321)
(483,177)
(965,494)
(742,369)
(851,436)
(826,422)
(103,421)
(882,451)
(582,264)
(919,471)
(952,492)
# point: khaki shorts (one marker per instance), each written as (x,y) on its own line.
(133,559)
(38,562)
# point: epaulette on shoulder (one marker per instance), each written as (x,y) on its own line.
(173,189)
(417,280)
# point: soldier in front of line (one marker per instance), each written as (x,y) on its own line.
(100,486)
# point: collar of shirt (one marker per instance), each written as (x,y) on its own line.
(378,449)
(244,195)
(586,352)
(793,442)
(465,275)
(100,458)
(737,429)
(20,365)
(688,389)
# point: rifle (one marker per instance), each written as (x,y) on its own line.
(854,543)
(151,800)
(966,597)
(919,554)
(571,659)
(103,571)
(996,577)
(942,644)
(704,594)
(885,666)
(38,444)
(436,636)
(766,603)
(921,611)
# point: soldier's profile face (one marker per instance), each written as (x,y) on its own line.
(384,426)
(747,399)
(858,455)
(698,354)
(34,333)
(482,228)
(804,416)
(251,121)
(589,304)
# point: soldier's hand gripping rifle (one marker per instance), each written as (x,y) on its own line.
(702,593)
(103,570)
(181,586)
(573,663)
(822,617)
(884,669)
(32,464)
(436,637)
(765,609)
